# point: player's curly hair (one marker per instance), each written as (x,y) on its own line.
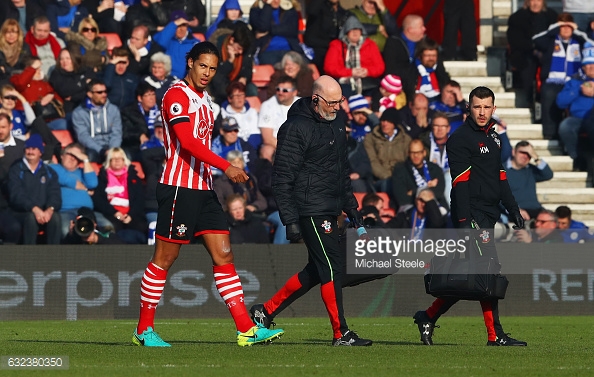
(202,48)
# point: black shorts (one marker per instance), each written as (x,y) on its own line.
(185,213)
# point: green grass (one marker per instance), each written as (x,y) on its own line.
(557,346)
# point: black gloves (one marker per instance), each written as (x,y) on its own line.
(293,232)
(517,218)
(355,218)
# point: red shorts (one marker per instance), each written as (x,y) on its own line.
(185,213)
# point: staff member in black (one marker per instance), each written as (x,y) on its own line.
(312,187)
(479,183)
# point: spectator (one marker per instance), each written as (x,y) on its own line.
(458,15)
(97,123)
(431,74)
(13,51)
(276,29)
(141,48)
(364,120)
(69,80)
(416,173)
(423,214)
(324,20)
(560,48)
(147,13)
(531,19)
(386,146)
(43,44)
(160,77)
(545,229)
(139,119)
(372,205)
(452,104)
(354,60)
(581,11)
(152,158)
(236,62)
(121,82)
(239,108)
(99,235)
(255,201)
(359,170)
(77,184)
(228,141)
(120,197)
(523,176)
(415,117)
(35,194)
(379,24)
(229,13)
(24,122)
(11,151)
(25,12)
(177,41)
(108,14)
(399,53)
(577,96)
(244,227)
(44,100)
(195,11)
(392,94)
(293,65)
(435,143)
(92,46)
(572,231)
(273,111)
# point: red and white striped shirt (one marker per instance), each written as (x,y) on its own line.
(188,121)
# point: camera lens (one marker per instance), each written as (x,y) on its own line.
(84,226)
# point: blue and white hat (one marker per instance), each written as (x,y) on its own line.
(357,102)
(588,54)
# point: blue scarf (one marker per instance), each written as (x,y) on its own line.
(19,128)
(437,157)
(89,105)
(418,225)
(427,85)
(564,62)
(421,181)
(150,117)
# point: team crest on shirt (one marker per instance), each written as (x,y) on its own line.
(175,108)
(483,148)
(485,237)
(327,227)
(181,230)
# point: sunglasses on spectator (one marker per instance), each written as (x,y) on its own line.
(13,98)
(284,90)
(231,131)
(87,29)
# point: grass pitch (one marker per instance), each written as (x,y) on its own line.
(557,346)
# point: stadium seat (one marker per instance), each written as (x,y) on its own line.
(261,75)
(314,70)
(359,196)
(113,40)
(139,170)
(63,136)
(254,102)
(200,37)
(96,167)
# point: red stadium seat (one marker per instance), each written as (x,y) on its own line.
(63,136)
(314,70)
(261,75)
(359,196)
(254,102)
(139,170)
(113,40)
(96,167)
(200,37)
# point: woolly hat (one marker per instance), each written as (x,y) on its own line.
(391,115)
(392,84)
(357,102)
(34,141)
(588,54)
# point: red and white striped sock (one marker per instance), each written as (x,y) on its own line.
(229,287)
(151,288)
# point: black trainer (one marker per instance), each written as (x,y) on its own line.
(260,317)
(350,338)
(506,340)
(425,327)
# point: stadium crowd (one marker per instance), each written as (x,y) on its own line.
(81,132)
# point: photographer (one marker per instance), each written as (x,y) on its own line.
(84,230)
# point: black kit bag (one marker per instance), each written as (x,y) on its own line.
(473,277)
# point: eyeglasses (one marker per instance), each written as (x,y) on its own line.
(332,103)
(416,152)
(538,221)
(99,92)
(87,29)
(284,90)
(12,98)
